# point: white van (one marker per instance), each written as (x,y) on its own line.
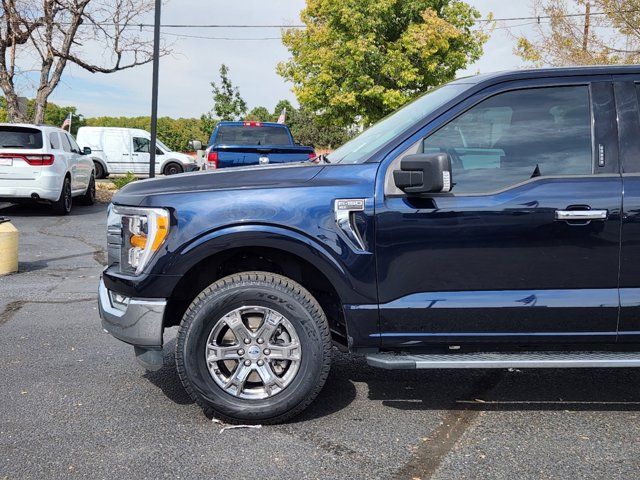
(122,150)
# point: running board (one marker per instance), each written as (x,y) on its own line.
(392,361)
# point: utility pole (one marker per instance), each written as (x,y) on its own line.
(154,90)
(587,21)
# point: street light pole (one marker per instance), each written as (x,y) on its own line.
(154,90)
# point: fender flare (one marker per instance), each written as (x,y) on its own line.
(268,236)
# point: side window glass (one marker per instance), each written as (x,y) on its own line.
(74,146)
(66,145)
(514,136)
(141,145)
(54,139)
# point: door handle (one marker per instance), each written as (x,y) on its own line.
(581,215)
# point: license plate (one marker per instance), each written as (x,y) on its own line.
(6,162)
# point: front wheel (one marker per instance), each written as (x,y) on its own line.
(254,347)
(173,169)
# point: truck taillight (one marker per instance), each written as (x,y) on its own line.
(33,160)
(252,124)
(312,155)
(212,160)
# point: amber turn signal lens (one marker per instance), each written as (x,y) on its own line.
(161,234)
(138,241)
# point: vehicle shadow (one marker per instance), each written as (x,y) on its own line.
(41,210)
(338,393)
(480,390)
(510,390)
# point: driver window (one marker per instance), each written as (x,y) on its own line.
(514,136)
(141,145)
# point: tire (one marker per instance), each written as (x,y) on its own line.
(99,169)
(89,197)
(299,381)
(63,205)
(172,168)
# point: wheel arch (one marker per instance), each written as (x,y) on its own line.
(271,249)
(102,163)
(164,164)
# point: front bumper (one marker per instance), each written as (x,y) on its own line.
(191,167)
(139,324)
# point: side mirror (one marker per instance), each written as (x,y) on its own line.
(86,151)
(424,173)
(195,145)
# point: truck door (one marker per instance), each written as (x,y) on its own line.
(627,91)
(499,258)
(117,150)
(140,148)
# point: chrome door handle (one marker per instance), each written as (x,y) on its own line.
(581,215)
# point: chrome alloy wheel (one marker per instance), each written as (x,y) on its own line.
(253,352)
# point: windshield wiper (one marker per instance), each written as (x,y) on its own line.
(13,146)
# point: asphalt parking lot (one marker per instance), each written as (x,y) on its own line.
(73,402)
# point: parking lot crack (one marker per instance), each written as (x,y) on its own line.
(99,253)
(11,310)
(432,450)
(13,307)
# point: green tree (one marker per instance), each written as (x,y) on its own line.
(572,35)
(362,59)
(174,133)
(259,114)
(227,102)
(309,128)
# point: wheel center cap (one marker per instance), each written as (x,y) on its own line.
(253,351)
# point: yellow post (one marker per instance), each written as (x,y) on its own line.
(8,248)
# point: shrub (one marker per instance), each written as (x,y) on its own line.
(122,181)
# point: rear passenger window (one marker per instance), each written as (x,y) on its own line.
(66,146)
(54,139)
(518,135)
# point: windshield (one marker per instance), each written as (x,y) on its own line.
(358,149)
(162,145)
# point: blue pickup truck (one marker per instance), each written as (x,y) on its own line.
(237,144)
(492,223)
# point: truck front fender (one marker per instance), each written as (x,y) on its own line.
(256,236)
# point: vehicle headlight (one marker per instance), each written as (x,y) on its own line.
(144,230)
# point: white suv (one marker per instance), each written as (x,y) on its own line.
(44,164)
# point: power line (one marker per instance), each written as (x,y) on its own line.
(202,37)
(537,18)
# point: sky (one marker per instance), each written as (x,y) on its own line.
(186,74)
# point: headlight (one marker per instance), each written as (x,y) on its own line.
(144,230)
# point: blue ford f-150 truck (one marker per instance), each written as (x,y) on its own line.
(494,222)
(237,144)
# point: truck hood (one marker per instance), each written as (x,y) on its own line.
(241,178)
